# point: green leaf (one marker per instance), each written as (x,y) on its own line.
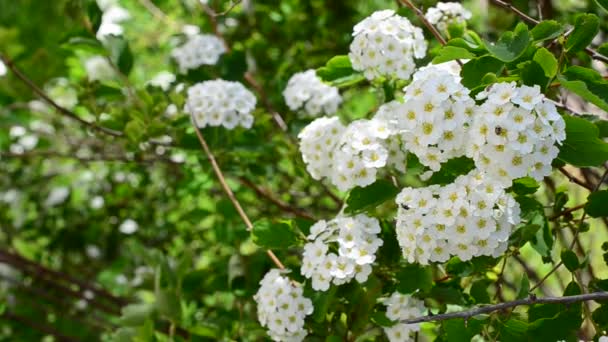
(510,45)
(582,146)
(552,322)
(121,54)
(588,84)
(524,287)
(321,302)
(89,44)
(533,213)
(547,29)
(513,330)
(461,330)
(135,130)
(274,235)
(379,318)
(362,199)
(479,291)
(233,65)
(600,316)
(603,49)
(532,73)
(449,53)
(586,27)
(95,15)
(168,304)
(337,67)
(525,186)
(474,70)
(451,169)
(414,277)
(547,61)
(597,204)
(136,314)
(570,260)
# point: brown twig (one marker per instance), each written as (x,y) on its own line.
(63,111)
(573,179)
(597,296)
(566,211)
(226,188)
(426,23)
(282,205)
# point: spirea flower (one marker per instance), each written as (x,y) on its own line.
(386,44)
(401,307)
(432,118)
(98,69)
(471,217)
(340,250)
(318,141)
(446,13)
(112,16)
(514,133)
(219,102)
(307,92)
(282,307)
(200,49)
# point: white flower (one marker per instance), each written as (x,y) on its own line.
(308,92)
(2,69)
(57,196)
(401,307)
(386,44)
(162,80)
(97,202)
(220,102)
(128,227)
(446,13)
(98,69)
(282,308)
(200,49)
(113,15)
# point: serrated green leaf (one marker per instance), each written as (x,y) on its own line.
(597,204)
(337,67)
(510,45)
(547,61)
(525,186)
(586,27)
(450,53)
(361,199)
(570,260)
(582,146)
(274,235)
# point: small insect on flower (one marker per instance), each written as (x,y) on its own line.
(498,130)
(405,206)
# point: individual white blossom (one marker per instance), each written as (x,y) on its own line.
(306,92)
(386,44)
(128,227)
(219,102)
(2,69)
(112,16)
(163,80)
(200,49)
(98,69)
(446,13)
(401,307)
(57,196)
(433,117)
(514,133)
(356,241)
(470,217)
(282,307)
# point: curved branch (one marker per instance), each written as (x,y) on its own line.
(597,296)
(227,190)
(63,111)
(280,204)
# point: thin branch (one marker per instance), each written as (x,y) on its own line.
(597,296)
(282,205)
(65,112)
(594,54)
(93,159)
(227,190)
(422,18)
(232,6)
(566,211)
(43,328)
(269,107)
(573,179)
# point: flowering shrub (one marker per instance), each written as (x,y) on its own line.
(211,170)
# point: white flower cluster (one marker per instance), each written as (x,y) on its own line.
(349,156)
(220,102)
(356,240)
(401,307)
(306,90)
(514,133)
(471,217)
(282,307)
(200,49)
(98,68)
(433,117)
(385,44)
(446,13)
